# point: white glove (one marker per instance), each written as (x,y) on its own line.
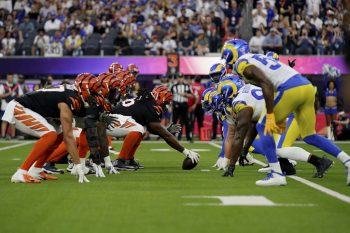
(78,171)
(218,162)
(224,164)
(109,166)
(192,155)
(98,170)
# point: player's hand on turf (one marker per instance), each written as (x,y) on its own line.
(270,125)
(242,159)
(109,119)
(224,164)
(174,128)
(111,170)
(79,172)
(218,162)
(192,155)
(229,171)
(98,170)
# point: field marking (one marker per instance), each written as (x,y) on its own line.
(313,185)
(17,145)
(243,200)
(205,170)
(167,150)
(16,159)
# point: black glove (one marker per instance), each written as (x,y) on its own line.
(243,158)
(109,120)
(229,171)
(291,63)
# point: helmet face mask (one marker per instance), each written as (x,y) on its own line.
(217,72)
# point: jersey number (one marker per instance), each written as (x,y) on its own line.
(257,94)
(266,61)
(128,103)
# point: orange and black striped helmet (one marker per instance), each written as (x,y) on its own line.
(87,84)
(132,68)
(115,67)
(127,80)
(162,95)
(109,81)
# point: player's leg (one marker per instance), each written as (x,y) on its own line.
(55,156)
(33,124)
(222,151)
(305,116)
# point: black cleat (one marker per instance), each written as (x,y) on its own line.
(286,167)
(133,162)
(323,166)
(49,168)
(124,165)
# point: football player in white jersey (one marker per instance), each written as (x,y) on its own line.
(285,91)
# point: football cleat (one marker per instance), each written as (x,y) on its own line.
(272,179)
(322,167)
(286,167)
(124,165)
(266,169)
(135,163)
(50,168)
(19,177)
(70,166)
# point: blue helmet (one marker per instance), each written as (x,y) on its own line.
(232,50)
(228,90)
(217,103)
(206,99)
(217,72)
(273,55)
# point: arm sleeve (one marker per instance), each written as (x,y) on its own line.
(240,66)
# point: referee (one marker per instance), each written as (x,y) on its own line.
(181,92)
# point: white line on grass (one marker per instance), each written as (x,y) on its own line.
(17,145)
(318,187)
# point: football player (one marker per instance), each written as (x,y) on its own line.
(294,93)
(133,69)
(115,67)
(30,112)
(146,110)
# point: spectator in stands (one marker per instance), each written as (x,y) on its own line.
(256,42)
(121,44)
(298,6)
(315,20)
(285,8)
(47,9)
(331,19)
(41,41)
(8,44)
(52,23)
(337,41)
(273,42)
(56,46)
(258,17)
(186,43)
(154,46)
(87,27)
(2,35)
(233,16)
(73,43)
(323,43)
(34,12)
(159,32)
(270,13)
(305,44)
(8,91)
(298,22)
(201,44)
(231,34)
(169,44)
(313,6)
(22,84)
(194,26)
(100,28)
(27,27)
(74,7)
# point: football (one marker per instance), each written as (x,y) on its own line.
(187,164)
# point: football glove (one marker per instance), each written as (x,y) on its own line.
(174,128)
(243,158)
(218,162)
(229,171)
(109,166)
(225,164)
(78,171)
(270,125)
(192,155)
(98,170)
(109,119)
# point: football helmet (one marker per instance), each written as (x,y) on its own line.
(133,69)
(108,82)
(162,95)
(87,85)
(115,67)
(216,102)
(217,72)
(206,98)
(228,90)
(232,50)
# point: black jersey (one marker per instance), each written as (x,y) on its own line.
(45,101)
(143,112)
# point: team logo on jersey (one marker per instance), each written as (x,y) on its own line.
(76,105)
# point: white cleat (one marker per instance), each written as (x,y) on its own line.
(20,177)
(265,170)
(272,179)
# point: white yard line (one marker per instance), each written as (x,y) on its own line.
(17,145)
(313,185)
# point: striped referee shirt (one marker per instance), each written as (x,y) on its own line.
(178,89)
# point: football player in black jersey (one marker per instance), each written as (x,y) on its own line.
(30,114)
(146,109)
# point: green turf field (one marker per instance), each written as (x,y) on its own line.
(163,198)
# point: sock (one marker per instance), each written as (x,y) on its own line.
(44,158)
(39,149)
(83,147)
(269,148)
(129,142)
(295,153)
(329,132)
(322,143)
(314,160)
(276,167)
(132,152)
(59,153)
(344,158)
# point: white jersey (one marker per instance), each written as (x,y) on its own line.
(249,96)
(277,72)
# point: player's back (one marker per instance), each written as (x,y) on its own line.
(277,72)
(252,96)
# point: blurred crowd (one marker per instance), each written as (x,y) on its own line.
(303,27)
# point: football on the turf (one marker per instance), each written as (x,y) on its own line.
(187,164)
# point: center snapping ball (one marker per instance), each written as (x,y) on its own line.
(187,164)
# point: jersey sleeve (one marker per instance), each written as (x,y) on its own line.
(240,66)
(153,113)
(239,105)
